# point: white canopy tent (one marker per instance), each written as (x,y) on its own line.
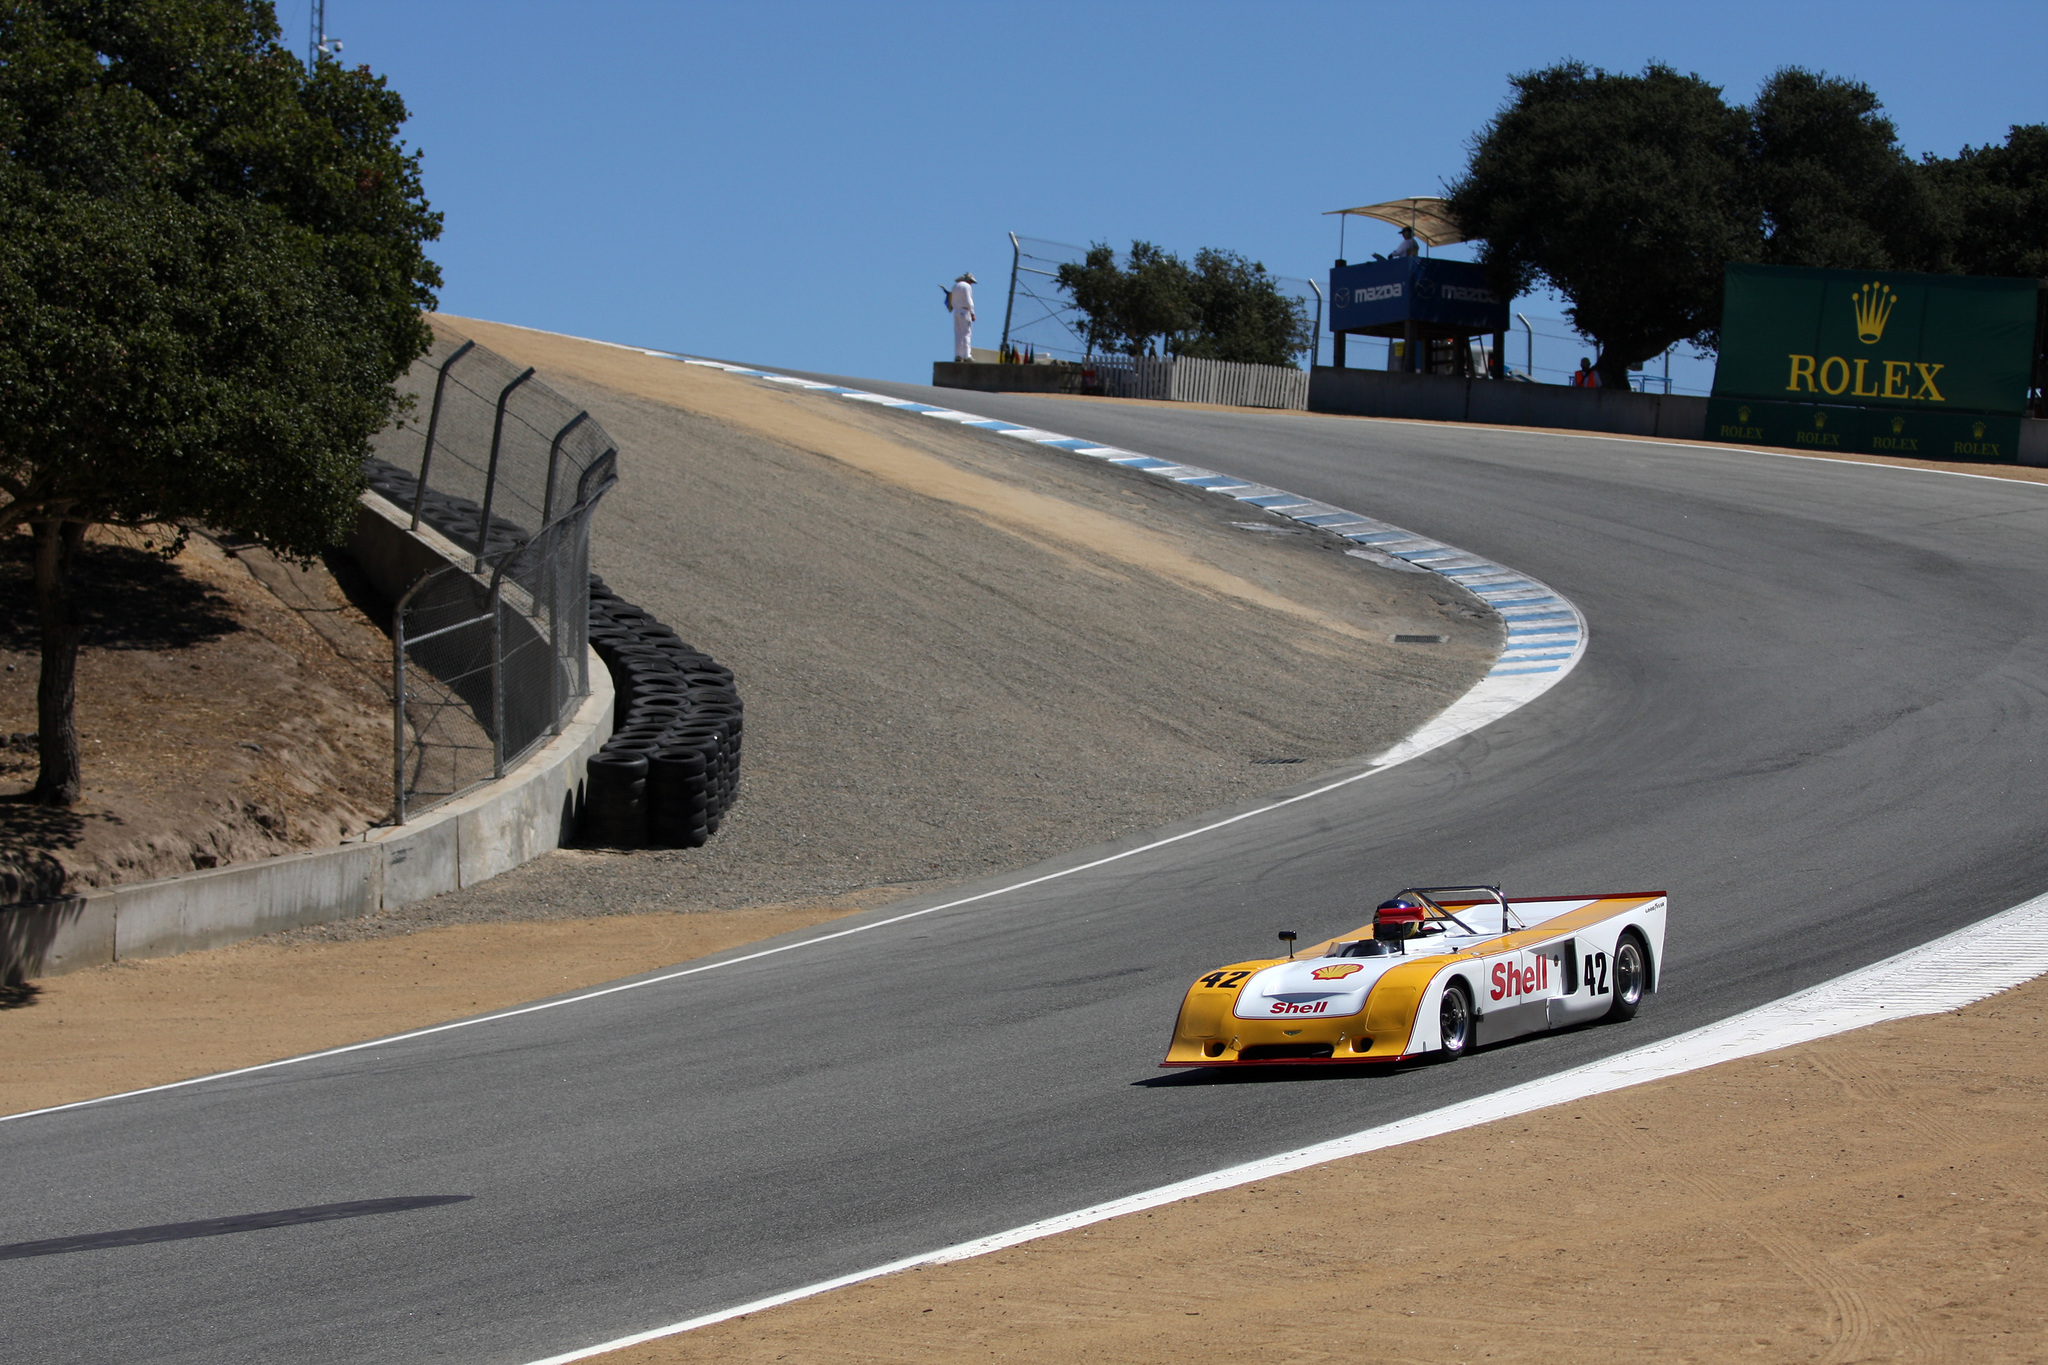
(1425,215)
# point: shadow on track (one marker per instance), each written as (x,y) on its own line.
(220,1227)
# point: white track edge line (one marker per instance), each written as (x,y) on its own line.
(1899,987)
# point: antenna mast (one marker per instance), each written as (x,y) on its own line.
(320,47)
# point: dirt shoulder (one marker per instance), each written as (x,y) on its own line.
(142,1023)
(1881,1195)
(228,708)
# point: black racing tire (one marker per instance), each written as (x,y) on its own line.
(1631,976)
(1454,1022)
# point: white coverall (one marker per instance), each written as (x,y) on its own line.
(963,320)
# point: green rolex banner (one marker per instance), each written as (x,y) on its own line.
(1880,362)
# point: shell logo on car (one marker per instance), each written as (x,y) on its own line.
(1291,1007)
(1509,980)
(1336,973)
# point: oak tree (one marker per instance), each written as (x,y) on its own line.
(212,268)
(1626,194)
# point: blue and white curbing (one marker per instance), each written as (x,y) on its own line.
(1546,633)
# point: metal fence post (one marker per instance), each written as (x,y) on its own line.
(1016,255)
(483,534)
(433,421)
(497,676)
(1315,342)
(547,502)
(398,711)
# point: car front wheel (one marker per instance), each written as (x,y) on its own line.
(1454,1022)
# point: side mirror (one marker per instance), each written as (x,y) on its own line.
(1287,936)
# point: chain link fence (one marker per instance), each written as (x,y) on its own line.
(489,655)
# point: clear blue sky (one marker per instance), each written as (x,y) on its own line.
(786,183)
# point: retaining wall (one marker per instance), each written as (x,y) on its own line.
(957,374)
(1497,402)
(494,829)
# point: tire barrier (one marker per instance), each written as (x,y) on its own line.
(671,769)
(459,519)
(673,766)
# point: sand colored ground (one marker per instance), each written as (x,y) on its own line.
(141,1023)
(1879,1196)
(230,706)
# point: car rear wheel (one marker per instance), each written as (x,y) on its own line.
(1631,975)
(1454,1022)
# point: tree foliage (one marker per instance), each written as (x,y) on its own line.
(1996,199)
(1629,195)
(1224,308)
(1127,309)
(1240,314)
(1831,183)
(1626,194)
(211,270)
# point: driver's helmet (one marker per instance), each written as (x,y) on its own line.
(1400,917)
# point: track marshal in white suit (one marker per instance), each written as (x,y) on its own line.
(963,317)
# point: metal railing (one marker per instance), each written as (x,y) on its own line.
(489,654)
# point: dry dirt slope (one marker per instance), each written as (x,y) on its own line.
(960,654)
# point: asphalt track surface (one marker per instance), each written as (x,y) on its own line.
(1812,711)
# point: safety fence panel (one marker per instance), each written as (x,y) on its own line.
(501,448)
(489,656)
(488,663)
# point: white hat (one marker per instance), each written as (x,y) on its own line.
(968,275)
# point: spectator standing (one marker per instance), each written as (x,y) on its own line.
(1587,377)
(963,316)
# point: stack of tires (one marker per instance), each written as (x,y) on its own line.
(671,769)
(457,518)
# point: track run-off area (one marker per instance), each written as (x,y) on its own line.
(1810,710)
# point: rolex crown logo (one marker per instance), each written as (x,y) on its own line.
(1874,303)
(1977,430)
(1820,419)
(1742,414)
(1898,425)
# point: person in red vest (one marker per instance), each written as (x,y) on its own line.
(1587,377)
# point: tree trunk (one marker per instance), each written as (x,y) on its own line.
(57,783)
(1613,371)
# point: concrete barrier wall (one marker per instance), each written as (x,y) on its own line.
(532,810)
(955,374)
(1448,398)
(2034,440)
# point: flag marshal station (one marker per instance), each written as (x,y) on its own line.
(1874,362)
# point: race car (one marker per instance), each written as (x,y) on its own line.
(1439,971)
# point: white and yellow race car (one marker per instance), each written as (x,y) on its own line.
(1440,970)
